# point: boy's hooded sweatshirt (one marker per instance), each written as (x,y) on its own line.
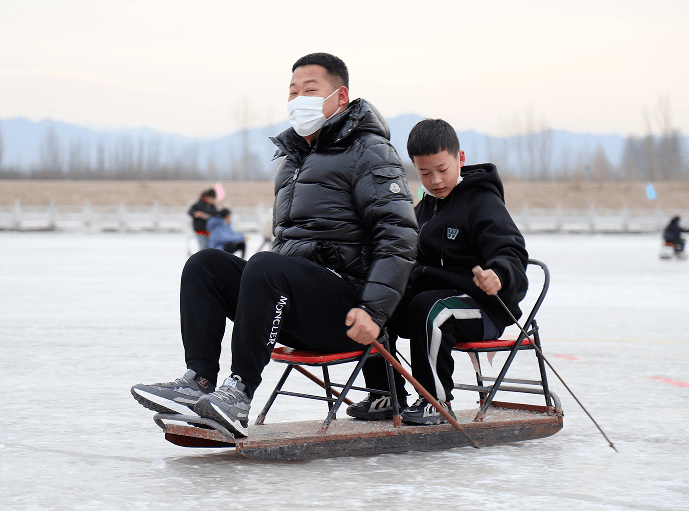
(470,227)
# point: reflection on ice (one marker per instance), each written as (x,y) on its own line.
(84,317)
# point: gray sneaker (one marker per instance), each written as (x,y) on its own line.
(424,413)
(229,405)
(177,396)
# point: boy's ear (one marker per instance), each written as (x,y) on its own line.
(462,158)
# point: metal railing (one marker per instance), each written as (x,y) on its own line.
(155,218)
(120,218)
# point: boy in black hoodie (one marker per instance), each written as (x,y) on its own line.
(463,222)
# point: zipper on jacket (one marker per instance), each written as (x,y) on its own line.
(294,182)
(448,210)
(442,239)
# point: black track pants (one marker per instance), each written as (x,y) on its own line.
(270,298)
(434,321)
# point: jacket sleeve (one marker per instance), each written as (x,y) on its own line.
(193,209)
(383,200)
(500,244)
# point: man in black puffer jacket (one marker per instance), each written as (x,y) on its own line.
(345,243)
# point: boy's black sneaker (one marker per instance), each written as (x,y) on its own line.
(177,396)
(423,413)
(374,408)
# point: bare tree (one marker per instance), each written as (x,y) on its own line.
(497,149)
(100,160)
(49,153)
(123,157)
(2,146)
(140,169)
(243,118)
(601,167)
(211,166)
(532,146)
(250,166)
(668,148)
(630,168)
(79,164)
(189,160)
(153,157)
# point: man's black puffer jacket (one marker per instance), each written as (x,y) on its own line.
(345,203)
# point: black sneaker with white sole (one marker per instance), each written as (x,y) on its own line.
(229,405)
(177,396)
(374,408)
(422,412)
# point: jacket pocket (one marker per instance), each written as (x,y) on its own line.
(390,183)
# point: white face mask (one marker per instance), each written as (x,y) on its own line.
(306,113)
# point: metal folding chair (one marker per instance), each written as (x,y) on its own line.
(295,359)
(487,392)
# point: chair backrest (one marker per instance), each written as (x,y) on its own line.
(541,296)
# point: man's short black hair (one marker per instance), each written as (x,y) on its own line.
(334,66)
(432,136)
(209,193)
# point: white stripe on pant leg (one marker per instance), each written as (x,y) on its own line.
(436,337)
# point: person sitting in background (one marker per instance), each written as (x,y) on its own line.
(673,234)
(201,211)
(223,236)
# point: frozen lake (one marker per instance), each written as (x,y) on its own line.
(86,316)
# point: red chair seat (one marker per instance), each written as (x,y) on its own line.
(488,345)
(290,355)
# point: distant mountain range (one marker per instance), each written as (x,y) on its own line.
(29,145)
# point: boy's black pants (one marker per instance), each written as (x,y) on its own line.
(433,321)
(270,298)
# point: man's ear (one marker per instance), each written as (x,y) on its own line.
(462,158)
(343,96)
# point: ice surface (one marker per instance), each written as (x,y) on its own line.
(84,317)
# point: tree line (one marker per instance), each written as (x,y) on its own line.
(527,154)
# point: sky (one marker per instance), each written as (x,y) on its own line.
(211,67)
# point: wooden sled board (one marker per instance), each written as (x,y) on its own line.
(351,437)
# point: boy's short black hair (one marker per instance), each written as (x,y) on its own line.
(432,136)
(335,67)
(209,193)
(224,212)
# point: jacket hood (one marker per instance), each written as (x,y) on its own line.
(359,116)
(459,179)
(483,175)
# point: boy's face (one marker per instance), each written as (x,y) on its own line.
(439,172)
